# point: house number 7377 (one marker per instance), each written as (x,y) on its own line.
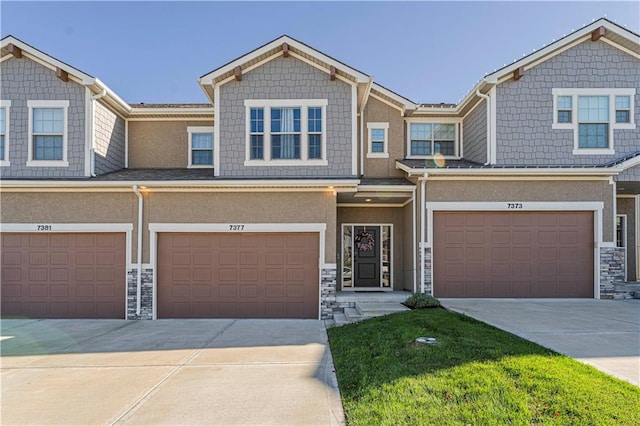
(236,227)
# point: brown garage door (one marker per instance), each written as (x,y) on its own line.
(505,254)
(63,275)
(244,275)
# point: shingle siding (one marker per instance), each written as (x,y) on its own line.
(109,130)
(285,78)
(474,134)
(23,80)
(630,174)
(525,107)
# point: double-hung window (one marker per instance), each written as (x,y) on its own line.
(47,133)
(4,132)
(378,136)
(428,139)
(286,132)
(593,115)
(200,146)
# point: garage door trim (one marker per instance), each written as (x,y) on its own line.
(597,207)
(155,228)
(49,228)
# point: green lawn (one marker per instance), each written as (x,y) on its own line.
(475,374)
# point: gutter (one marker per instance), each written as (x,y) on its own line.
(94,98)
(139,253)
(422,205)
(488,99)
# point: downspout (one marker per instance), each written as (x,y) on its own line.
(365,99)
(93,133)
(139,253)
(488,99)
(422,206)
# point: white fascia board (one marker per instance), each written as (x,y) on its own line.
(546,171)
(632,162)
(110,94)
(388,93)
(176,111)
(208,78)
(550,49)
(67,227)
(183,183)
(85,78)
(246,227)
(392,188)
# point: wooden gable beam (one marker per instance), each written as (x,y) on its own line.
(14,50)
(597,33)
(285,50)
(237,72)
(333,73)
(517,74)
(62,74)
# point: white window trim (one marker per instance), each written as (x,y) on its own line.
(444,120)
(65,135)
(378,126)
(7,128)
(611,93)
(267,104)
(199,129)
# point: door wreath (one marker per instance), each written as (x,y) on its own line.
(364,241)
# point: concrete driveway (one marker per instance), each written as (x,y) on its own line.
(603,333)
(168,372)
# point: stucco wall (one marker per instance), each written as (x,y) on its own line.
(407,247)
(109,134)
(378,215)
(160,144)
(474,134)
(24,80)
(285,78)
(525,107)
(627,207)
(527,190)
(243,208)
(379,112)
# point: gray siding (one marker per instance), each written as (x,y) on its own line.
(631,174)
(109,139)
(525,107)
(285,78)
(474,134)
(23,80)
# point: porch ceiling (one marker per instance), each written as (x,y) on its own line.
(628,187)
(366,198)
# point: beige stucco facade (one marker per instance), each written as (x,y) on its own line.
(471,190)
(160,144)
(380,112)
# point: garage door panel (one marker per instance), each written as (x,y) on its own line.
(526,254)
(255,275)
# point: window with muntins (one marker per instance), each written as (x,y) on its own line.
(286,132)
(426,139)
(200,146)
(378,145)
(48,134)
(593,115)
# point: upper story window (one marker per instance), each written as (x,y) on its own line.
(378,140)
(47,133)
(286,132)
(593,114)
(4,132)
(200,147)
(431,138)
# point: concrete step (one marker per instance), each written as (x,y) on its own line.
(376,309)
(339,319)
(368,296)
(353,314)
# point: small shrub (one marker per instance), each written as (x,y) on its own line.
(421,301)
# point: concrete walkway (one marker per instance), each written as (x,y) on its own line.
(603,333)
(168,372)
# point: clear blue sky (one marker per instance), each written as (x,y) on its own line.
(153,52)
